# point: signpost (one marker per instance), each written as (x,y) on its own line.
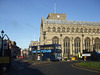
(86,55)
(38,55)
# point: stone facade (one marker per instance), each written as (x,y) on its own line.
(74,36)
(15,50)
(34,43)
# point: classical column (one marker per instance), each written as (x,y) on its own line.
(61,42)
(82,43)
(71,46)
(62,49)
(93,42)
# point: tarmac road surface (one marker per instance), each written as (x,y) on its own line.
(53,68)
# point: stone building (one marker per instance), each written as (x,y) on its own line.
(15,50)
(34,43)
(74,36)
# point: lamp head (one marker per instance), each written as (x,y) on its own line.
(2,31)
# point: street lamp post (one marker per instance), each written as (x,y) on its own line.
(6,46)
(30,53)
(92,42)
(40,53)
(61,43)
(82,41)
(2,32)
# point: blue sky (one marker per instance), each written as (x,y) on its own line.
(21,19)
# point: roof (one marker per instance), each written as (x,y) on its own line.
(51,21)
(48,45)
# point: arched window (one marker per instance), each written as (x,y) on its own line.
(58,29)
(81,30)
(85,30)
(77,45)
(55,40)
(66,42)
(72,29)
(97,44)
(49,29)
(89,31)
(97,30)
(77,30)
(68,29)
(93,30)
(63,29)
(54,29)
(87,44)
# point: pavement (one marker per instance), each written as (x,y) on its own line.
(47,68)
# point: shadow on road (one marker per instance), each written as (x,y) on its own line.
(26,71)
(23,68)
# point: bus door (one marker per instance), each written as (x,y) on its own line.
(58,54)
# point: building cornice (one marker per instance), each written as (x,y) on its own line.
(51,21)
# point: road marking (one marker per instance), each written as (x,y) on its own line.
(24,67)
(85,69)
(20,68)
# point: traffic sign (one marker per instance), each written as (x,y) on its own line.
(38,47)
(86,54)
(5,44)
(38,58)
(97,52)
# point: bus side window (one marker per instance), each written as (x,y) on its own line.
(52,54)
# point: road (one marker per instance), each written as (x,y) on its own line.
(54,68)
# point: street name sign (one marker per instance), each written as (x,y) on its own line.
(86,54)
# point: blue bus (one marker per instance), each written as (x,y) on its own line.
(50,52)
